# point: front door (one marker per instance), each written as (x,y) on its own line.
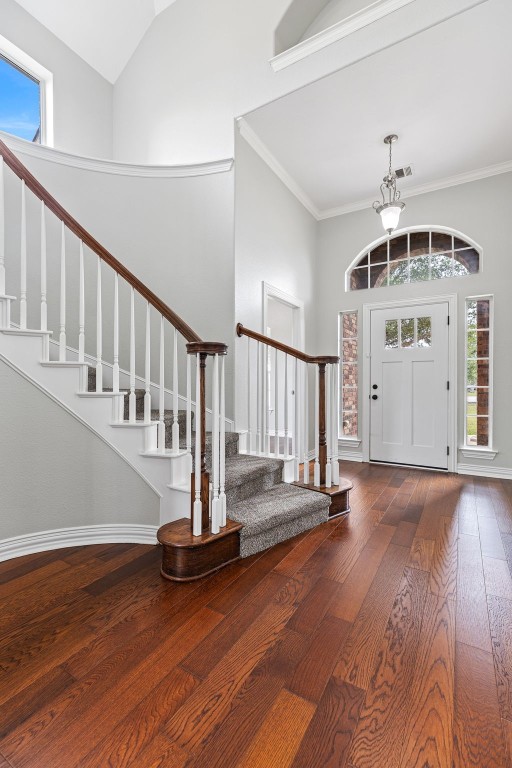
(409,385)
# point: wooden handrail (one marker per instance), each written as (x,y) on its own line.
(40,192)
(322,360)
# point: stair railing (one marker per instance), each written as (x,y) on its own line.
(175,340)
(279,422)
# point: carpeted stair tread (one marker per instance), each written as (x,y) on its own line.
(278,506)
(241,469)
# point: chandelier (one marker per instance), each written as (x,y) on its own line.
(391,207)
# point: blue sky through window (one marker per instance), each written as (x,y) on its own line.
(19,102)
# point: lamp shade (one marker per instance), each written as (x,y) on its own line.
(390,214)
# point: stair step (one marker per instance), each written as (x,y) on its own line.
(250,475)
(277,514)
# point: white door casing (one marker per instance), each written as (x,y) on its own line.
(412,418)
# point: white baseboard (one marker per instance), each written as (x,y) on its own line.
(350,456)
(480,471)
(60,538)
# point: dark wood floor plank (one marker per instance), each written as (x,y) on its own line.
(124,744)
(478,733)
(422,552)
(379,734)
(507,546)
(428,731)
(351,594)
(507,733)
(404,534)
(498,579)
(299,555)
(4,763)
(472,616)
(359,655)
(280,735)
(316,667)
(314,607)
(500,617)
(160,753)
(15,585)
(490,538)
(443,569)
(347,549)
(327,740)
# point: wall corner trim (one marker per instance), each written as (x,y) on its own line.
(42,541)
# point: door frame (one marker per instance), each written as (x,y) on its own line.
(451,299)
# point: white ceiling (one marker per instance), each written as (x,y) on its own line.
(447,93)
(104,33)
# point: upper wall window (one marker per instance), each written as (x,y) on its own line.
(26,95)
(412,256)
(20,105)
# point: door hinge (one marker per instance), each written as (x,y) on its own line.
(447,385)
(447,450)
(448,319)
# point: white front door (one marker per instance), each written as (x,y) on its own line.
(409,385)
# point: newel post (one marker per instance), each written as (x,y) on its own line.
(322,442)
(202,350)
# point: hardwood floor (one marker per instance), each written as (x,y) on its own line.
(381,640)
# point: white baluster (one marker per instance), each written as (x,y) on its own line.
(249,401)
(198,507)
(276,404)
(258,399)
(23,259)
(99,332)
(81,305)
(62,334)
(286,407)
(132,400)
(115,371)
(215,525)
(189,412)
(296,417)
(316,471)
(266,436)
(2,229)
(306,424)
(175,396)
(147,394)
(334,393)
(328,427)
(161,394)
(222,443)
(44,302)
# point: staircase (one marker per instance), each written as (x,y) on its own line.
(221,496)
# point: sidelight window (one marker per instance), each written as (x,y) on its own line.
(478,392)
(349,373)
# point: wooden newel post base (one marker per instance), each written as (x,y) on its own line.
(205,499)
(322,442)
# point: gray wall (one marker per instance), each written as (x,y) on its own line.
(56,473)
(480,210)
(82,98)
(275,242)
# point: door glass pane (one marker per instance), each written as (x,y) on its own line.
(391,334)
(471,344)
(424,331)
(471,430)
(407,332)
(482,344)
(482,373)
(471,373)
(482,430)
(482,313)
(482,401)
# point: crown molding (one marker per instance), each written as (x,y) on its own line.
(252,138)
(422,189)
(343,28)
(113,167)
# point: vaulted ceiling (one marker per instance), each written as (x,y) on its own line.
(104,33)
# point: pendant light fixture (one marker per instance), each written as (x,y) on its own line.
(390,208)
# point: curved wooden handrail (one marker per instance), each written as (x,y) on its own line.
(322,360)
(39,191)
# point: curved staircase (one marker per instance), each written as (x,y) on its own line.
(223,495)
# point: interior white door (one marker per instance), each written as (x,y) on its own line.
(409,385)
(281,326)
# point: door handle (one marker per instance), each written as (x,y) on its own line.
(375,386)
(375,397)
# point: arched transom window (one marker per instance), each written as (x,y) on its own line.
(412,256)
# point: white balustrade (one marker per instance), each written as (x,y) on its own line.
(115,371)
(197,510)
(161,395)
(306,425)
(44,300)
(316,469)
(276,404)
(62,334)
(215,524)
(222,440)
(23,259)
(189,412)
(175,434)
(132,400)
(265,425)
(249,398)
(334,410)
(147,393)
(99,331)
(328,426)
(286,411)
(259,446)
(296,418)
